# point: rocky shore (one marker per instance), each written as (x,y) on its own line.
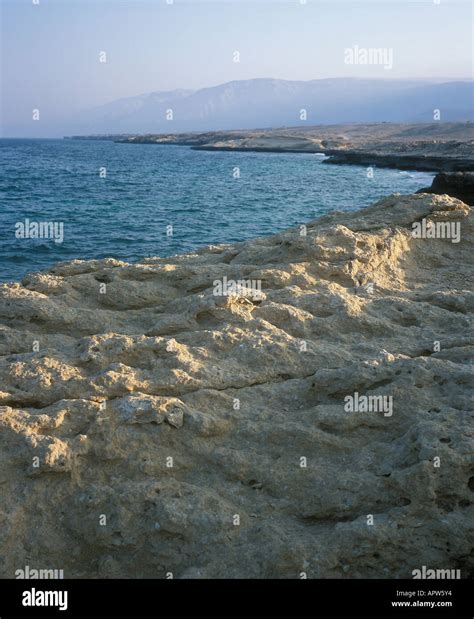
(458,185)
(404,161)
(436,147)
(151,426)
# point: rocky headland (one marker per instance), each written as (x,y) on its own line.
(151,426)
(456,184)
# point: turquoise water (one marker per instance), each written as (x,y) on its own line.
(149,187)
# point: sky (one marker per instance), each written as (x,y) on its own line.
(50,49)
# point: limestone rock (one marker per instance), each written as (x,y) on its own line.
(160,428)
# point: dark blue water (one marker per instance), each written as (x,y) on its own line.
(148,188)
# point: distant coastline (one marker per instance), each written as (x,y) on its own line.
(431,147)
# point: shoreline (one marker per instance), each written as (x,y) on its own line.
(108,369)
(422,163)
(424,147)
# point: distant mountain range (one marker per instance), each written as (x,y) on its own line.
(259,103)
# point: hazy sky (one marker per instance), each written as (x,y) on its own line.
(50,51)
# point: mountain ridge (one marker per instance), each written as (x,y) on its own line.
(266,102)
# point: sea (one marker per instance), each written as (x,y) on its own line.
(130,201)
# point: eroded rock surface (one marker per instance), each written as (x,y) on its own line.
(148,426)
